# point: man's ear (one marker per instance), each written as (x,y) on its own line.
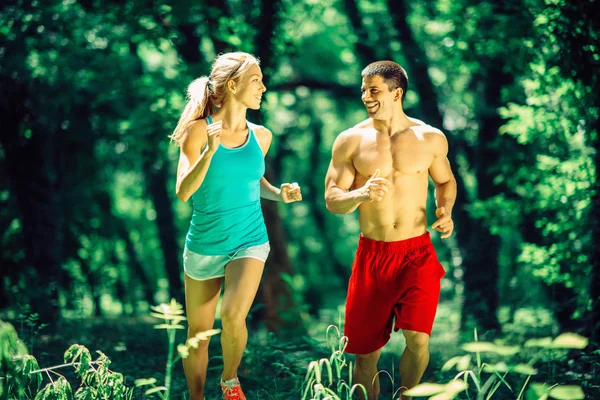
(398,94)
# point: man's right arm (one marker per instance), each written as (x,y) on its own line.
(340,177)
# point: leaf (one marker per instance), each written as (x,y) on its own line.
(72,352)
(567,393)
(537,391)
(206,334)
(524,369)
(500,367)
(425,389)
(448,365)
(570,341)
(464,363)
(456,386)
(85,393)
(507,350)
(440,392)
(183,351)
(144,381)
(482,347)
(475,347)
(155,390)
(443,396)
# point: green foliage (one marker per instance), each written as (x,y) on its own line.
(172,315)
(21,377)
(555,185)
(487,387)
(29,319)
(16,365)
(105,83)
(56,390)
(331,378)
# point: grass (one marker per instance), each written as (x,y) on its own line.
(273,368)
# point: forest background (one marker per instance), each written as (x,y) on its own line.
(91,232)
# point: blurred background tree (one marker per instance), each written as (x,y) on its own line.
(89,92)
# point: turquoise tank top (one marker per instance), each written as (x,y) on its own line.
(226,213)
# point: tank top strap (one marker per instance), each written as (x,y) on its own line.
(252,132)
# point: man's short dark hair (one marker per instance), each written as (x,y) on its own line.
(393,74)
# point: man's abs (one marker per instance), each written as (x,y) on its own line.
(400,215)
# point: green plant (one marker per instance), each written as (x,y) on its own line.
(486,387)
(316,388)
(16,382)
(97,380)
(172,315)
(31,321)
(21,378)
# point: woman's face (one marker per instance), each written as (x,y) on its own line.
(250,87)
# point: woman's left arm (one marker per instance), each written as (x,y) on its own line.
(289,192)
(268,191)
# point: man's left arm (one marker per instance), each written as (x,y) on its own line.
(445,186)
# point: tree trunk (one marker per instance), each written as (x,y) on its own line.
(319,216)
(365,52)
(215,10)
(155,172)
(138,269)
(281,312)
(481,247)
(31,167)
(156,181)
(593,325)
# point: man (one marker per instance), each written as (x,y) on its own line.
(381,166)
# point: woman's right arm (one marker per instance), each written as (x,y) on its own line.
(193,162)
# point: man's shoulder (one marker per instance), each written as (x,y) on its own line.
(427,131)
(357,131)
(349,140)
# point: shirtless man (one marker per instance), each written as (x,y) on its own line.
(381,166)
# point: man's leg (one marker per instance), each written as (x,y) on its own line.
(365,373)
(201,298)
(242,277)
(414,359)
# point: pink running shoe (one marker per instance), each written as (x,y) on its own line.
(232,390)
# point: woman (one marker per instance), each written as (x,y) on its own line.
(221,169)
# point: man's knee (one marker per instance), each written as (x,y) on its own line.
(417,342)
(367,361)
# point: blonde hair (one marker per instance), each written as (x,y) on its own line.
(207,93)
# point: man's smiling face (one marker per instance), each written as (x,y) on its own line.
(377,97)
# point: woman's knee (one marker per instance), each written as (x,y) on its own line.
(232,319)
(417,341)
(197,342)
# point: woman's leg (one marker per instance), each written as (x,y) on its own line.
(201,298)
(242,277)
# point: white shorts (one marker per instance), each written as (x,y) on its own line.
(202,267)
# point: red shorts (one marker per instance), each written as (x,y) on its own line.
(400,279)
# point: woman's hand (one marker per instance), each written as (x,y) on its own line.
(213,132)
(290,192)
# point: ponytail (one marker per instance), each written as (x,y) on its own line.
(205,94)
(200,105)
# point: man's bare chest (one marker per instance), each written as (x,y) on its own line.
(406,156)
